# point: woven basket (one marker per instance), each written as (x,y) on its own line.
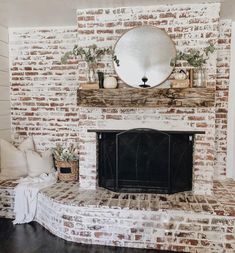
(67,171)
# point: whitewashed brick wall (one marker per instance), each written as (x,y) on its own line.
(222,90)
(43,92)
(190,26)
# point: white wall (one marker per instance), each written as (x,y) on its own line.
(231,113)
(5,124)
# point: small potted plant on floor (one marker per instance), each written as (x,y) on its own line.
(66,161)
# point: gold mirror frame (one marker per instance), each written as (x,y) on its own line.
(144,56)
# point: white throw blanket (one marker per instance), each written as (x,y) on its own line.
(26,196)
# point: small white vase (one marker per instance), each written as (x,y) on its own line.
(110,82)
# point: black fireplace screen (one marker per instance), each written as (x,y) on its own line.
(145,160)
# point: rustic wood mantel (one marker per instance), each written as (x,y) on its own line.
(154,97)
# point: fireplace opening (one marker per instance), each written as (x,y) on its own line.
(145,160)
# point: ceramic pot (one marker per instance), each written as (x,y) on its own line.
(110,82)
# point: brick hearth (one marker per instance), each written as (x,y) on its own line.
(221,203)
(7,196)
(181,222)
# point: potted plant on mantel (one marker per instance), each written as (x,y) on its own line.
(91,55)
(66,161)
(197,59)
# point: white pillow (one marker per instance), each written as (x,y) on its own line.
(13,160)
(27,144)
(39,164)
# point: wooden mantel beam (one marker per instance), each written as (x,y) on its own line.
(154,97)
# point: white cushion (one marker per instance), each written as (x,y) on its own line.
(27,144)
(39,164)
(13,160)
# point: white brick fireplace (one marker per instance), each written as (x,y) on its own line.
(171,119)
(44,104)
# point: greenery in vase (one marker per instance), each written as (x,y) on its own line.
(196,58)
(90,54)
(67,154)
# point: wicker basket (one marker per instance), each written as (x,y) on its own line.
(67,171)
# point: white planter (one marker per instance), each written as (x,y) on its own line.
(110,82)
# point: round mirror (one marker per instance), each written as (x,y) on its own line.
(143,56)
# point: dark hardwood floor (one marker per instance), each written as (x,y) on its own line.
(33,238)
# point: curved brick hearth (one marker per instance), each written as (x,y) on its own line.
(181,222)
(7,196)
(184,222)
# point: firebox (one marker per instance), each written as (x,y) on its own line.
(145,160)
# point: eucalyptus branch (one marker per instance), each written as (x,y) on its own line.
(195,58)
(90,54)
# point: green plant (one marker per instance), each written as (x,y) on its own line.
(196,58)
(65,154)
(89,54)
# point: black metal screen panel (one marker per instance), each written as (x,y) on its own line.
(181,162)
(145,160)
(136,165)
